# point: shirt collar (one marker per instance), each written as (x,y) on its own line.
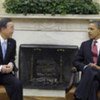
(98,41)
(2,39)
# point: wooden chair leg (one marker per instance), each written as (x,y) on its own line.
(70,94)
(3,93)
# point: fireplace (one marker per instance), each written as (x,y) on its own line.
(45,66)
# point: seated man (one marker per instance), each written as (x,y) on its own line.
(87,60)
(7,57)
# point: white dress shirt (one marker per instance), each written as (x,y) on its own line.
(98,46)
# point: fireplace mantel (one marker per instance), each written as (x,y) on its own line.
(48,16)
(47,22)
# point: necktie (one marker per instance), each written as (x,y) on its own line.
(94,52)
(4,47)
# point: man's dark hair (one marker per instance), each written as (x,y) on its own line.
(97,23)
(3,22)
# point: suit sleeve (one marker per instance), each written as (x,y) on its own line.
(79,59)
(13,55)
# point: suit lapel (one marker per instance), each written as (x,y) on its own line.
(1,55)
(89,50)
(98,62)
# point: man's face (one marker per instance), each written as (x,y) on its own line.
(8,30)
(93,31)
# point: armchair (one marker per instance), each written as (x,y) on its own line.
(69,91)
(74,80)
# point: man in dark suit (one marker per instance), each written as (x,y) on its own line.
(87,60)
(12,85)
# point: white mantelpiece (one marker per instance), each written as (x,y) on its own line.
(48,16)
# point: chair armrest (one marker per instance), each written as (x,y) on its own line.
(72,79)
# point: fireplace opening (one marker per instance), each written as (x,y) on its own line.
(45,66)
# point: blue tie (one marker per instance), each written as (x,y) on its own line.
(4,47)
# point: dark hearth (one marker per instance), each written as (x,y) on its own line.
(45,66)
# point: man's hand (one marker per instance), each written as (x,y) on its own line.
(6,69)
(94,66)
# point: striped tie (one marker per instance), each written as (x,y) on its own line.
(94,52)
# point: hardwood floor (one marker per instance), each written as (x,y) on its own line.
(3,96)
(43,98)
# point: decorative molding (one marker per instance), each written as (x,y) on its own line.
(48,16)
(40,22)
(62,25)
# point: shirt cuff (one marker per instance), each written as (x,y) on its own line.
(0,67)
(10,63)
(85,66)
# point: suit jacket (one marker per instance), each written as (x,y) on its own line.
(10,53)
(84,56)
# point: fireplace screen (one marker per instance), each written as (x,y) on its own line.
(45,66)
